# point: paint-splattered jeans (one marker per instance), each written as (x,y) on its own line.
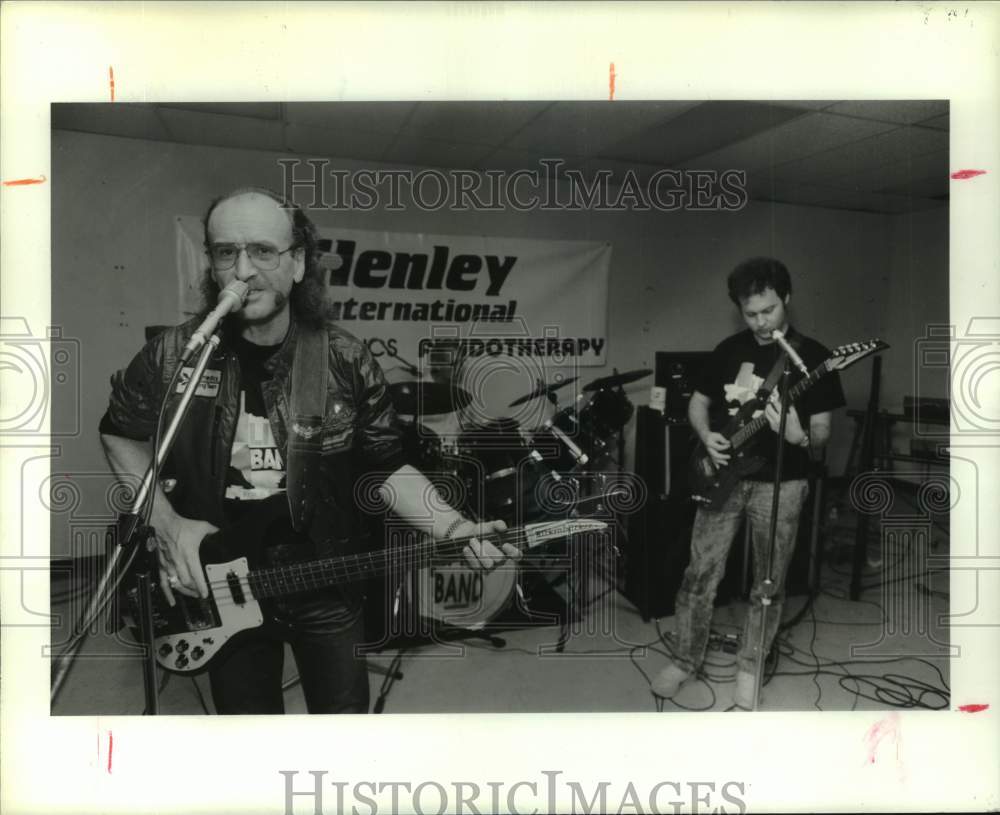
(710,541)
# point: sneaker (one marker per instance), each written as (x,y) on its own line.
(668,681)
(743,695)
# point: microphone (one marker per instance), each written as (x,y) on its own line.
(794,357)
(231,298)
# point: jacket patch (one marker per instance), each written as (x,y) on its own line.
(209,385)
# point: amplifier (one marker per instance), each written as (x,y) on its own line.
(677,372)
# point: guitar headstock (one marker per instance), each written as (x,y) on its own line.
(843,356)
(538,533)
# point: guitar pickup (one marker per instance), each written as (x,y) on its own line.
(235,589)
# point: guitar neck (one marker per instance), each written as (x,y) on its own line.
(755,425)
(315,574)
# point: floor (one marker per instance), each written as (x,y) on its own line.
(885,650)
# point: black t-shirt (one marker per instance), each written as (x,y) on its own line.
(256,468)
(735,371)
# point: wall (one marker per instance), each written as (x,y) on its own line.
(917,298)
(114,200)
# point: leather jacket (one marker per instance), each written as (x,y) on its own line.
(359,431)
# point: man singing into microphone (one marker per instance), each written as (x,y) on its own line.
(247,442)
(739,365)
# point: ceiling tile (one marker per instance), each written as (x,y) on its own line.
(937,122)
(804,136)
(618,169)
(256,110)
(805,104)
(937,186)
(877,202)
(789,193)
(435,153)
(489,124)
(703,129)
(900,111)
(864,155)
(898,174)
(192,127)
(858,159)
(821,196)
(373,117)
(509,160)
(587,128)
(133,121)
(343,142)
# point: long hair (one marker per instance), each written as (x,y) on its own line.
(307,300)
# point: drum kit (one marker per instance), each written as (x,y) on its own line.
(498,470)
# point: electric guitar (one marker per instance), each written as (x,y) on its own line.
(243,587)
(711,485)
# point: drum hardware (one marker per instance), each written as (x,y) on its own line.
(543,390)
(408,366)
(505,473)
(617,379)
(416,398)
(500,470)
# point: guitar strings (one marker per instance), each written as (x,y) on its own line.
(751,427)
(274,581)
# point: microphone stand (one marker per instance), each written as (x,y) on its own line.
(134,540)
(767,587)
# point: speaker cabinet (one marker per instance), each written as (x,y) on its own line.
(659,540)
(677,372)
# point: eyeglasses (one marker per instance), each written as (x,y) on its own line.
(262,255)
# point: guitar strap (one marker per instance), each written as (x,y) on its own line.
(310,375)
(764,391)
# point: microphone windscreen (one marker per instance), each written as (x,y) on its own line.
(237,289)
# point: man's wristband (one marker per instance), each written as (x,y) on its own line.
(455,524)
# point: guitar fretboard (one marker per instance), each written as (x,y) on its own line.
(315,574)
(278,581)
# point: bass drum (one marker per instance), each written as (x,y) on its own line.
(457,596)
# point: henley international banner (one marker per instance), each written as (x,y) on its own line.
(499,296)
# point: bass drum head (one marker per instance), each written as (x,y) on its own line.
(457,596)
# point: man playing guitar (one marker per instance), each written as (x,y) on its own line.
(246,442)
(733,375)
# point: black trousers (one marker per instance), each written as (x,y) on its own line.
(333,679)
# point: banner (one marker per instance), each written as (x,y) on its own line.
(499,297)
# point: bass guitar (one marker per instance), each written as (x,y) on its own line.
(711,485)
(243,586)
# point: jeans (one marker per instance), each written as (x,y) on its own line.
(334,680)
(711,539)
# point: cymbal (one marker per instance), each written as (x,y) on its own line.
(542,390)
(617,379)
(427,398)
